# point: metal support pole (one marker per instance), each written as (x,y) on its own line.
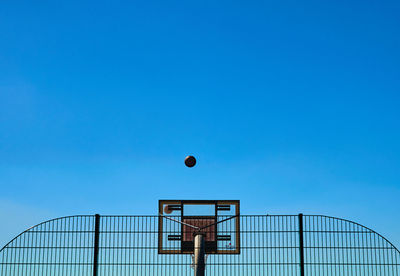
(199,251)
(96,244)
(301,244)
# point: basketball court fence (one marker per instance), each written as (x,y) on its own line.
(268,245)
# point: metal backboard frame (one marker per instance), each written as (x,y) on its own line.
(215,232)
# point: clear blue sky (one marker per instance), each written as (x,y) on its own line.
(289,106)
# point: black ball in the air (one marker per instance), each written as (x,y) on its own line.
(190,161)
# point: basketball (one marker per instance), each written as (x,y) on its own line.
(190,161)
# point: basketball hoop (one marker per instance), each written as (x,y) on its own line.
(199,228)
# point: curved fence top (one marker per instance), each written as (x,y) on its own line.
(270,245)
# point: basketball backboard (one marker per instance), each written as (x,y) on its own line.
(217,220)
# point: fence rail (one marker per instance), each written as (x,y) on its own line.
(270,245)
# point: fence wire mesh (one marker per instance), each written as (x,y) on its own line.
(269,245)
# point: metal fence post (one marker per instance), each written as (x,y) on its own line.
(96,244)
(301,244)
